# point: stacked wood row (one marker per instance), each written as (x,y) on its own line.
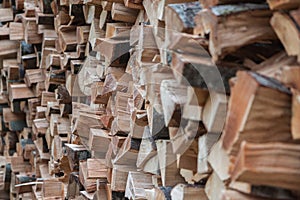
(147,99)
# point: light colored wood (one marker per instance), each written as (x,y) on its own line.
(173,96)
(119,176)
(185,192)
(136,185)
(99,141)
(170,174)
(8,47)
(6,14)
(214,112)
(16,31)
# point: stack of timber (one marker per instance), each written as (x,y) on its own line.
(146,99)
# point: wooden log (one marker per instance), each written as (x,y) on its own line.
(114,47)
(173,96)
(219,161)
(31,30)
(6,15)
(76,153)
(218,48)
(8,47)
(82,33)
(278,5)
(193,108)
(256,174)
(53,189)
(90,171)
(295,114)
(283,24)
(119,177)
(128,153)
(124,14)
(33,76)
(214,187)
(74,186)
(137,183)
(67,38)
(198,71)
(16,31)
(181,192)
(170,174)
(99,141)
(214,112)
(260,86)
(179,16)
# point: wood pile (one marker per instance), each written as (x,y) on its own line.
(148,99)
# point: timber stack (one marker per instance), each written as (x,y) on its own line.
(150,99)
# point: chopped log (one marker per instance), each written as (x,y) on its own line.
(295,114)
(16,31)
(82,33)
(6,14)
(119,177)
(31,30)
(173,96)
(184,192)
(214,112)
(8,47)
(114,47)
(219,161)
(205,142)
(286,177)
(290,76)
(74,186)
(170,174)
(147,149)
(259,91)
(136,185)
(230,14)
(279,5)
(33,76)
(180,16)
(99,141)
(128,153)
(76,153)
(283,24)
(90,171)
(198,71)
(193,108)
(214,187)
(53,189)
(124,14)
(67,38)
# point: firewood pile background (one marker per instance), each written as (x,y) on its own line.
(150,99)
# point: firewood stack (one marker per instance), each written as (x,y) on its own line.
(144,99)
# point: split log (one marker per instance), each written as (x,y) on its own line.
(258,92)
(286,177)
